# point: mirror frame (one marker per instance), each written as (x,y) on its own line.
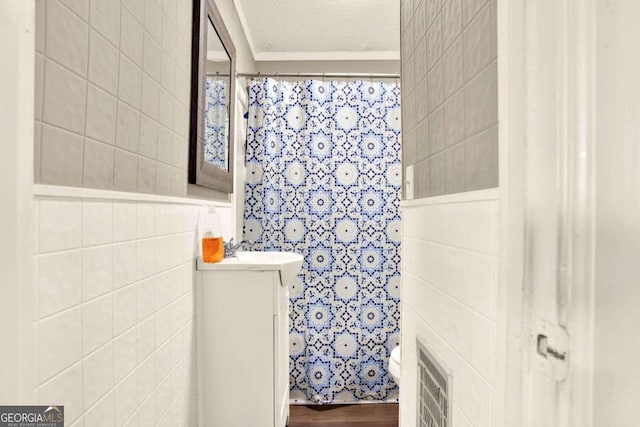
(200,172)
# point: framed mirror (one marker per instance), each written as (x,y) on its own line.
(213,70)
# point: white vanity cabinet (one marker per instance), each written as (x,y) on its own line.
(242,345)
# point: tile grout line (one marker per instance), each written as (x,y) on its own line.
(86,105)
(118,100)
(113,308)
(36,324)
(43,4)
(82,345)
(137,323)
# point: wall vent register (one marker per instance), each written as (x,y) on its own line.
(434,390)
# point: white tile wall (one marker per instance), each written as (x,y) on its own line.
(108,71)
(131,37)
(116,344)
(97,323)
(97,375)
(130,82)
(59,281)
(64,98)
(59,225)
(59,343)
(97,271)
(103,63)
(65,387)
(105,17)
(449,282)
(101,414)
(448,60)
(67,38)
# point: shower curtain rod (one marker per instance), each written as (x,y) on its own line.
(323,75)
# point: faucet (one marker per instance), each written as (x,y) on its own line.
(230,249)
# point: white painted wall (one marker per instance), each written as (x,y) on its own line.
(617,294)
(329,67)
(16,179)
(244,57)
(449,299)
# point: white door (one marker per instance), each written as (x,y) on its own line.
(548,208)
(546,88)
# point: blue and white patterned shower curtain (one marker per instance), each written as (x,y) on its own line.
(216,125)
(323,180)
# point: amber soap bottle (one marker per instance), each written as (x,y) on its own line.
(212,244)
(212,248)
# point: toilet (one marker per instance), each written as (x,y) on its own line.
(395,366)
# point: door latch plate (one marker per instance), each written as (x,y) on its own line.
(551,345)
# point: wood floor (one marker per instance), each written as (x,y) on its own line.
(365,415)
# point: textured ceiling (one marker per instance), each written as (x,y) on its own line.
(321,29)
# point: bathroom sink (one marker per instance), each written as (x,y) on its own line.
(288,263)
(260,258)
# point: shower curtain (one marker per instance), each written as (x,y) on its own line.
(323,180)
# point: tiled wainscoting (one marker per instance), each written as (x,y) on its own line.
(450,94)
(115,318)
(449,298)
(112,90)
